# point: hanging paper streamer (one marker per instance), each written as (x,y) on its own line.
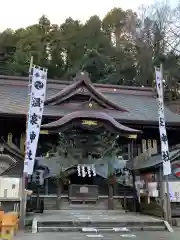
(162,124)
(79,170)
(37,97)
(89,170)
(93,170)
(83,171)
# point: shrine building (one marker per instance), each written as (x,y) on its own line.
(84,123)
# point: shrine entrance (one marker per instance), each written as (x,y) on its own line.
(79,180)
(88,143)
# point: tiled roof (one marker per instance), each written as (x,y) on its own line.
(140,103)
(156,160)
(10,158)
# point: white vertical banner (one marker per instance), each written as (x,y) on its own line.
(162,124)
(37,98)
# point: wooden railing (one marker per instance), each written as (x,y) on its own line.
(145,156)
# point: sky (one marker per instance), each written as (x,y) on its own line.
(21,13)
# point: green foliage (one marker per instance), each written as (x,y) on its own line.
(121,49)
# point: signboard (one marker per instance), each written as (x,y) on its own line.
(153,189)
(9,188)
(84,190)
(174,191)
(89,122)
(162,124)
(37,97)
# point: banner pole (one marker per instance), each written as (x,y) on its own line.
(22,213)
(167,202)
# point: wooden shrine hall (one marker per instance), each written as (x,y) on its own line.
(86,123)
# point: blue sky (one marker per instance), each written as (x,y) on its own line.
(21,13)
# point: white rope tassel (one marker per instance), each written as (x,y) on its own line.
(89,170)
(93,170)
(83,171)
(79,170)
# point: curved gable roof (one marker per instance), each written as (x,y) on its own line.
(82,81)
(88,115)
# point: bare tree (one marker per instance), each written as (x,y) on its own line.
(154,38)
(174,30)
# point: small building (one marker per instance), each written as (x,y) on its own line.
(149,176)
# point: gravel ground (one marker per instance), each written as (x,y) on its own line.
(161,235)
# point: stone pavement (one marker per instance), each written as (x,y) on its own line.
(93,215)
(105,236)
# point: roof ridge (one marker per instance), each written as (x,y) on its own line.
(82,81)
(59,82)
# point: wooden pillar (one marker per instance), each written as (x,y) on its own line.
(22,143)
(144,148)
(110,197)
(46,186)
(162,194)
(165,201)
(147,198)
(10,139)
(59,191)
(161,190)
(139,150)
(131,157)
(155,146)
(149,146)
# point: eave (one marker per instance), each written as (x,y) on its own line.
(11,150)
(144,123)
(88,115)
(10,156)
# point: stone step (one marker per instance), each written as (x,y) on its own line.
(101,204)
(84,230)
(98,227)
(85,222)
(50,203)
(88,206)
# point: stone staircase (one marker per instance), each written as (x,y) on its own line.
(99,227)
(100,204)
(95,221)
